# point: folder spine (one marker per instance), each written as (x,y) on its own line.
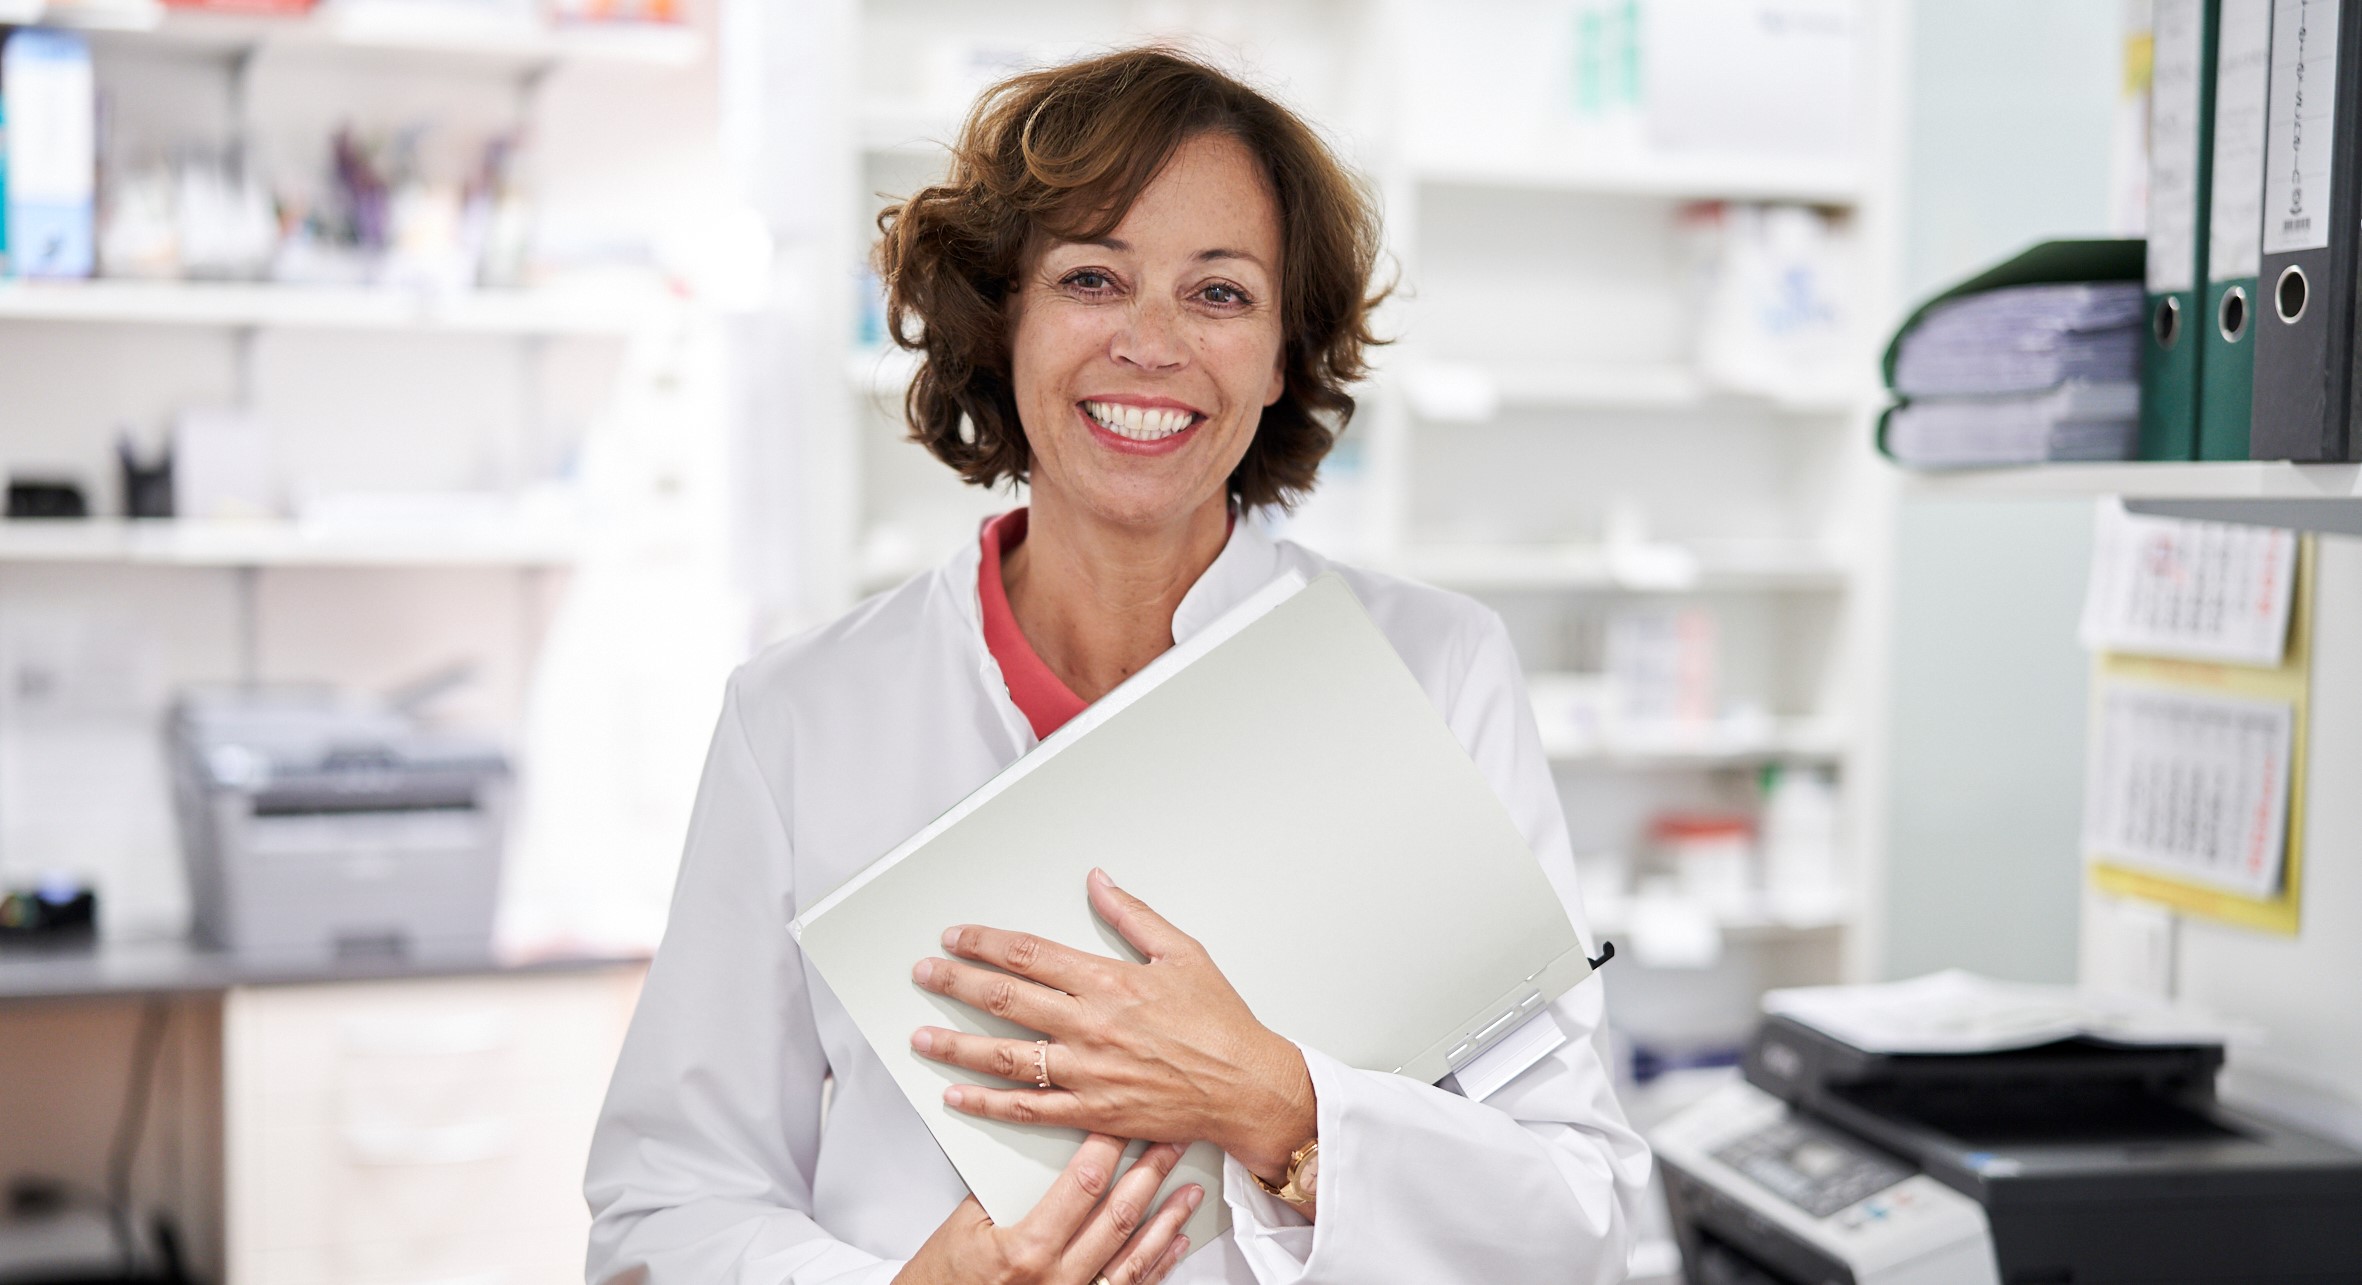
(2305,365)
(2234,222)
(2180,128)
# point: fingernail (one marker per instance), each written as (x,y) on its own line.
(1191,1196)
(1099,878)
(1180,1245)
(951,937)
(923,1040)
(924,972)
(953,1096)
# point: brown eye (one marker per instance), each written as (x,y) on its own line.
(1224,296)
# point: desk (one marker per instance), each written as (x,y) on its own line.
(323,1122)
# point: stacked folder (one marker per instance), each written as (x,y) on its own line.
(2037,360)
(2251,276)
(2255,226)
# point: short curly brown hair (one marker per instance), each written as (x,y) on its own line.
(1063,152)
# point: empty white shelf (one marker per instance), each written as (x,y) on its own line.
(168,542)
(242,304)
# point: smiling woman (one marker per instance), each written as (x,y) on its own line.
(1143,289)
(1049,166)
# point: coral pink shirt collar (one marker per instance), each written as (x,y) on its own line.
(1045,699)
(1040,695)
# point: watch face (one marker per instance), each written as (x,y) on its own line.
(1308,1177)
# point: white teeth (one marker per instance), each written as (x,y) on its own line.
(1139,423)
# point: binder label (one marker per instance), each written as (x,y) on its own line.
(2243,62)
(2300,148)
(2175,83)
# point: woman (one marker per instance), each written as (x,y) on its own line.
(1142,290)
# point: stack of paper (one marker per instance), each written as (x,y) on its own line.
(2021,375)
(2075,421)
(2025,339)
(1961,1012)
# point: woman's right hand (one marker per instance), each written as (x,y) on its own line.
(1082,1229)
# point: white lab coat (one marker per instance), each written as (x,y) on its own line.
(712,1160)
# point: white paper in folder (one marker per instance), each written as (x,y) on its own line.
(1279,787)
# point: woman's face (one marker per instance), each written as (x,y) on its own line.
(1143,360)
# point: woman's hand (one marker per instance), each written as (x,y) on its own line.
(1164,1050)
(1080,1233)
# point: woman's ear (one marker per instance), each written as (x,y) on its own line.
(1279,376)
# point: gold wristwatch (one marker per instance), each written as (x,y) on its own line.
(1303,1176)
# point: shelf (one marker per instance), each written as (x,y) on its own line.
(1689,178)
(1793,741)
(2307,497)
(243,304)
(279,544)
(1611,915)
(442,31)
(1466,392)
(2233,480)
(1769,566)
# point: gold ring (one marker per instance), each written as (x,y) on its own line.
(1041,1076)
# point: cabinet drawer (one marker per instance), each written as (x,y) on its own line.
(416,1133)
(293,1040)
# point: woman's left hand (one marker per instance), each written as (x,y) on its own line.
(1164,1050)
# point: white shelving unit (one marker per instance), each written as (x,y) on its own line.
(450,451)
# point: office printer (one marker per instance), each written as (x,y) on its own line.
(2072,1162)
(323,823)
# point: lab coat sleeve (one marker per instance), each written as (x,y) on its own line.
(701,1165)
(1417,1184)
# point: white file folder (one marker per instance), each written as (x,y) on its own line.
(1279,787)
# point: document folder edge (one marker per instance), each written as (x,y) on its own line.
(1566,969)
(1151,676)
(2170,375)
(2303,391)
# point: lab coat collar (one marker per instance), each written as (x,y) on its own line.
(1248,561)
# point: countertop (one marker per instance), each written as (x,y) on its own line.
(175,966)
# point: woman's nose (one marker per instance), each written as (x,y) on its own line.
(1151,337)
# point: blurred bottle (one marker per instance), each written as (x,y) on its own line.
(1800,842)
(1605,81)
(1711,856)
(1661,664)
(1770,284)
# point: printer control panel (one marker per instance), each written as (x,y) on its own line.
(1811,1168)
(1800,1200)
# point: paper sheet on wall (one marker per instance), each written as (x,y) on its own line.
(2191,786)
(2193,590)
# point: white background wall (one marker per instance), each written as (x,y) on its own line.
(2012,105)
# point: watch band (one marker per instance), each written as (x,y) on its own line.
(1291,1190)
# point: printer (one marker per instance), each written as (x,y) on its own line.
(317,823)
(2074,1161)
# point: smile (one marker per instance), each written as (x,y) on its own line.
(1144,424)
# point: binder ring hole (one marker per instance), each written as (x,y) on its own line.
(2288,294)
(2168,321)
(2233,319)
